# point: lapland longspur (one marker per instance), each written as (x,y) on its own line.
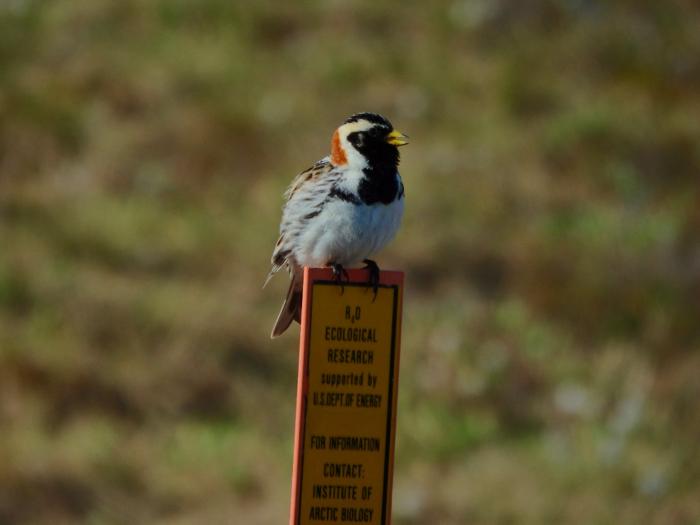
(343,209)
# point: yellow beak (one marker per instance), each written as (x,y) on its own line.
(396,138)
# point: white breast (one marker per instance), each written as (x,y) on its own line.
(347,233)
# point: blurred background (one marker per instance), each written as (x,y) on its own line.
(551,244)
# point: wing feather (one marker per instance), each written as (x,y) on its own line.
(304,198)
(319,170)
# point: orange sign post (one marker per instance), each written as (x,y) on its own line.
(346,399)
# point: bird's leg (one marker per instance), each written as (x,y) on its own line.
(373,270)
(339,272)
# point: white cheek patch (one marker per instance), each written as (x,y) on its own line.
(355,158)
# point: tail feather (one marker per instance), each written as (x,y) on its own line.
(291,308)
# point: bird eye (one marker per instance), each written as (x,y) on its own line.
(375,132)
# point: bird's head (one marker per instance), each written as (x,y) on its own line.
(366,139)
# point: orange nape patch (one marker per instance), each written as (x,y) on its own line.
(338,157)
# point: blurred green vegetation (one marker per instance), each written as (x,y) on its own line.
(551,243)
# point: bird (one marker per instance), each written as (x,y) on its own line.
(342,210)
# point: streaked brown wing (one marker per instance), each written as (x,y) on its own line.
(319,170)
(309,176)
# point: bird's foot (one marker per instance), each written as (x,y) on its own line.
(340,273)
(373,281)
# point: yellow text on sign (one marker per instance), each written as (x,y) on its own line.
(349,405)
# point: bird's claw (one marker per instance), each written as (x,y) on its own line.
(373,281)
(339,272)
